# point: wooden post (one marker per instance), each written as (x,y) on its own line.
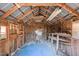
(52,38)
(7,40)
(57,43)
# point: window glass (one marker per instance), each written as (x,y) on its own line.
(3,29)
(2,32)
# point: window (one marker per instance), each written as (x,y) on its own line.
(2,32)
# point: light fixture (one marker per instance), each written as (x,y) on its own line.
(54,14)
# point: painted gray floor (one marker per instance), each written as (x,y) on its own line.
(37,48)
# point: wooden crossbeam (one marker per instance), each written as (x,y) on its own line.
(69,9)
(44,14)
(38,4)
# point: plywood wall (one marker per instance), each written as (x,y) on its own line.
(14,40)
(62,26)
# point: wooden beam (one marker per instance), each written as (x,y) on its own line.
(69,9)
(20,17)
(46,9)
(10,11)
(38,4)
(26,13)
(57,44)
(5,12)
(36,13)
(18,5)
(44,14)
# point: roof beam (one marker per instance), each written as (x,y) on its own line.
(10,15)
(10,11)
(39,4)
(18,6)
(69,9)
(26,13)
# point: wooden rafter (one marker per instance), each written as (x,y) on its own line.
(19,6)
(5,12)
(26,13)
(69,9)
(10,11)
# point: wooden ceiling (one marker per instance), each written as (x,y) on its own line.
(37,9)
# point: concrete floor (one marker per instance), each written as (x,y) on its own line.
(37,48)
